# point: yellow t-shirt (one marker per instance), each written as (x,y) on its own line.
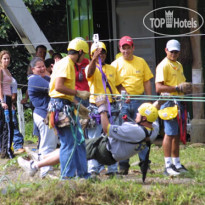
(171,73)
(63,69)
(134,74)
(96,84)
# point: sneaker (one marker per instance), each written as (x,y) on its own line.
(27,166)
(182,169)
(19,151)
(171,171)
(34,156)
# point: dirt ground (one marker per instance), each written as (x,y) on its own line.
(10,174)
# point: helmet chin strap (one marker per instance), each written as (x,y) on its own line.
(80,53)
(142,120)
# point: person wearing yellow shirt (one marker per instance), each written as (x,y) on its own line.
(170,79)
(102,79)
(136,76)
(61,111)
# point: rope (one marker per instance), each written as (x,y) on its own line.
(75,139)
(186,98)
(105,40)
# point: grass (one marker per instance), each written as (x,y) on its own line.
(185,189)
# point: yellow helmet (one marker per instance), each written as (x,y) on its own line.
(168,113)
(98,45)
(149,111)
(78,44)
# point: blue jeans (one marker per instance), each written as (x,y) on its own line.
(18,139)
(72,150)
(94,165)
(72,154)
(83,102)
(131,109)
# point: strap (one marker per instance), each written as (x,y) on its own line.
(182,122)
(147,134)
(104,80)
(76,66)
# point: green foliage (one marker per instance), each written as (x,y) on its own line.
(50,15)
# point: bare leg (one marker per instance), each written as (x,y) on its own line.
(167,145)
(50,159)
(175,146)
(51,153)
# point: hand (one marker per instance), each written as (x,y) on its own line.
(83,94)
(24,101)
(96,54)
(101,103)
(185,88)
(127,99)
(100,100)
(4,106)
(13,107)
(83,112)
(161,100)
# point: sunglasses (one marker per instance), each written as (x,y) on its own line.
(175,52)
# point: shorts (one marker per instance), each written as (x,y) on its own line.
(171,127)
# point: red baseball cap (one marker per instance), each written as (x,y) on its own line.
(126,40)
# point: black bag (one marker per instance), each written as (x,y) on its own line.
(96,149)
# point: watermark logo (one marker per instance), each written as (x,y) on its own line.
(173,20)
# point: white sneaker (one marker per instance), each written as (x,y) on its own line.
(27,166)
(34,156)
(182,169)
(171,171)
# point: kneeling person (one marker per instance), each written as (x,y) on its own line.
(126,140)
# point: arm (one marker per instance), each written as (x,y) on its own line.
(120,88)
(148,87)
(92,65)
(14,97)
(60,87)
(25,100)
(160,87)
(4,105)
(1,89)
(104,122)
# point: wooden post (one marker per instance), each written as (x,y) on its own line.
(198,121)
(20,112)
(197,70)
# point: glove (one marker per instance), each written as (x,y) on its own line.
(83,112)
(83,94)
(162,99)
(83,123)
(185,88)
(101,103)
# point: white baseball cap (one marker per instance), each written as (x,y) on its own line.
(173,45)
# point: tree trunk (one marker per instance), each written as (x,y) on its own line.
(197,77)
